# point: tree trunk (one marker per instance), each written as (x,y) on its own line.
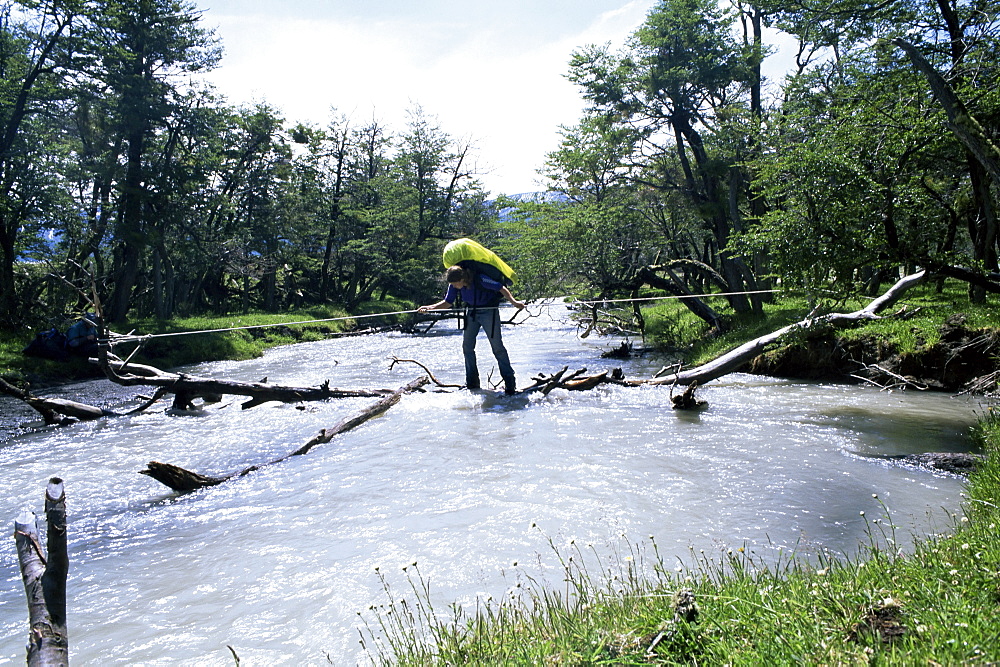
(965,127)
(8,297)
(45,580)
(649,277)
(131,237)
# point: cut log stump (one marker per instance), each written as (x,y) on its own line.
(44,577)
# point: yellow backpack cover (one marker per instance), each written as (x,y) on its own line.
(468,253)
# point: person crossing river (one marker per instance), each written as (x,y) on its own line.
(480,295)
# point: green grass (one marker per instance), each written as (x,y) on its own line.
(671,326)
(244,343)
(937,604)
(185,349)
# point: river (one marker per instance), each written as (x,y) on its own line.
(278,564)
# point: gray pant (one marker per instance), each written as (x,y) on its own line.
(489,320)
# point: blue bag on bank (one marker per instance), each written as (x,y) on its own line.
(49,344)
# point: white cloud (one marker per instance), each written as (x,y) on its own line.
(510,96)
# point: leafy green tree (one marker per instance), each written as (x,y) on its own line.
(145,47)
(37,56)
(223,180)
(587,233)
(676,85)
(861,176)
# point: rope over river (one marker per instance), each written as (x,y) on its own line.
(281,563)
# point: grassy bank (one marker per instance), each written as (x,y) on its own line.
(939,603)
(671,326)
(193,348)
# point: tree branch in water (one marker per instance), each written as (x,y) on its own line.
(179,479)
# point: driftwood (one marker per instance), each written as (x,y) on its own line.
(397,360)
(732,361)
(45,578)
(687,401)
(51,408)
(576,381)
(187,387)
(179,479)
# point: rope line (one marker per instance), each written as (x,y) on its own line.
(130,338)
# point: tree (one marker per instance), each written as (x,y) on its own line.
(860,176)
(36,58)
(675,86)
(145,45)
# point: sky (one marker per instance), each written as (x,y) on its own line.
(493,72)
(490,72)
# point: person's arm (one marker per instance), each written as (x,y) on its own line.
(434,306)
(510,297)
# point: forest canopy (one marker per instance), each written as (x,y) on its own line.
(122,172)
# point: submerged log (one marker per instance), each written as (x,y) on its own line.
(957,463)
(687,401)
(179,479)
(45,578)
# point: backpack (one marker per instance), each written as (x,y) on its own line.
(78,333)
(470,255)
(49,344)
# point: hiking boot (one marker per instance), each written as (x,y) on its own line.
(509,387)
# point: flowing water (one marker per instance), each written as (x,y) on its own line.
(278,564)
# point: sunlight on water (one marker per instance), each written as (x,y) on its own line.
(279,563)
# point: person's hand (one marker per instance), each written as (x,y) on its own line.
(423,309)
(520,305)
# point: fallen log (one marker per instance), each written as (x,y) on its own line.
(44,577)
(725,364)
(50,408)
(179,479)
(187,387)
(733,360)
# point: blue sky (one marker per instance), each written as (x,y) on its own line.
(493,72)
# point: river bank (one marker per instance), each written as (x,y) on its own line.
(936,603)
(252,334)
